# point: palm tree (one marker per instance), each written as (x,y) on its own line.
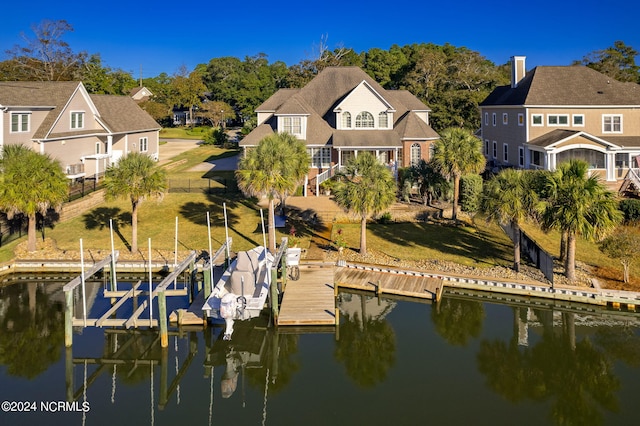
(32,183)
(431,183)
(456,153)
(366,187)
(135,177)
(578,205)
(273,169)
(509,199)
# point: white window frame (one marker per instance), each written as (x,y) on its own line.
(292,125)
(486,118)
(520,156)
(76,120)
(346,120)
(415,154)
(505,153)
(23,122)
(144,144)
(98,147)
(557,117)
(520,119)
(495,150)
(486,147)
(505,118)
(365,120)
(533,120)
(494,119)
(612,124)
(383,120)
(320,157)
(573,120)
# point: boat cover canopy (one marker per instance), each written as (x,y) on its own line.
(244,277)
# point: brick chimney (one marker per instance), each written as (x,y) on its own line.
(518,70)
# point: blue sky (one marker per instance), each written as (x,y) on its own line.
(162,36)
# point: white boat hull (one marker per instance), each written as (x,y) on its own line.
(230,301)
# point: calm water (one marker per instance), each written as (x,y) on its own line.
(467,361)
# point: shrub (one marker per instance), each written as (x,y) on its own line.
(385,218)
(631,210)
(216,136)
(470,190)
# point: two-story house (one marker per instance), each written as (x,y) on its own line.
(552,114)
(343,111)
(85,133)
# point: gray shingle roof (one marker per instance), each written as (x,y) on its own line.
(122,114)
(410,126)
(568,85)
(552,137)
(36,93)
(54,95)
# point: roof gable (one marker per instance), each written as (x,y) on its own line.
(78,101)
(559,137)
(364,92)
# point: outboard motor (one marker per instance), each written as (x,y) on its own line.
(228,309)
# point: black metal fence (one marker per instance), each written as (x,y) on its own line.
(81,187)
(214,185)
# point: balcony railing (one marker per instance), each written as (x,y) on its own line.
(75,169)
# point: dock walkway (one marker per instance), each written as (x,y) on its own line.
(311,299)
(396,282)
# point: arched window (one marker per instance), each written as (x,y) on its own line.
(346,120)
(415,154)
(383,120)
(364,119)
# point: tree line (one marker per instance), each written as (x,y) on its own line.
(451,80)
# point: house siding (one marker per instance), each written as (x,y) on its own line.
(512,134)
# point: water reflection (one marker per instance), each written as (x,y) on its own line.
(575,375)
(458,320)
(366,344)
(549,364)
(32,326)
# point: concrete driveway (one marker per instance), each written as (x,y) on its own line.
(174,147)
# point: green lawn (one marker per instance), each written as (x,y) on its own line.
(157,221)
(480,245)
(183,132)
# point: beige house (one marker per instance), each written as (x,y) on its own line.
(85,133)
(553,114)
(140,94)
(343,112)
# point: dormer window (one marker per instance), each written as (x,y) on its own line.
(364,120)
(346,120)
(77,120)
(292,125)
(383,120)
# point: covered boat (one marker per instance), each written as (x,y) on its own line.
(242,290)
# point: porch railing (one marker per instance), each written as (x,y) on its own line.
(634,177)
(327,174)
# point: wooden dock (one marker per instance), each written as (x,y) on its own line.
(311,299)
(393,281)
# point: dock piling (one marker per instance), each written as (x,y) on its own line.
(274,295)
(68,318)
(162,319)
